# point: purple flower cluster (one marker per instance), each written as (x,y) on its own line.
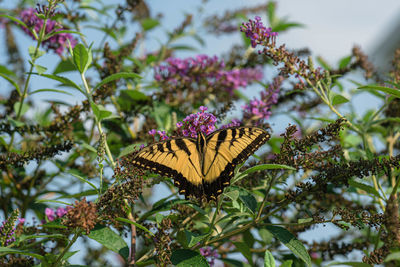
(57,42)
(259,109)
(7,229)
(210,254)
(233,123)
(51,215)
(162,134)
(6,237)
(204,71)
(257,32)
(201,121)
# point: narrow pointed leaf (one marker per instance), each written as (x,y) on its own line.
(5,250)
(290,241)
(387,90)
(116,76)
(81,57)
(135,224)
(186,257)
(269,260)
(110,240)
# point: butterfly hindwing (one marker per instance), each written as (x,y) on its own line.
(176,158)
(226,149)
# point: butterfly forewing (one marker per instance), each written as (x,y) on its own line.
(176,158)
(229,147)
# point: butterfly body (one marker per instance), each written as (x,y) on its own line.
(202,166)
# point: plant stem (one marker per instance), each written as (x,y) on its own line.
(98,123)
(59,258)
(34,57)
(132,256)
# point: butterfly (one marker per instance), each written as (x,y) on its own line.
(203,166)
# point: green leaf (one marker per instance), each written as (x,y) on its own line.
(96,109)
(387,90)
(187,257)
(193,239)
(64,66)
(52,201)
(149,23)
(24,109)
(22,252)
(135,95)
(395,256)
(8,79)
(28,237)
(268,167)
(290,241)
(31,51)
(89,147)
(159,218)
(234,194)
(365,187)
(339,99)
(287,263)
(234,263)
(248,200)
(83,179)
(51,34)
(135,224)
(81,57)
(323,63)
(350,263)
(271,13)
(265,235)
(128,150)
(68,255)
(55,225)
(183,47)
(50,90)
(100,111)
(64,81)
(4,70)
(116,76)
(344,62)
(40,69)
(243,248)
(284,26)
(15,122)
(306,220)
(110,240)
(269,260)
(21,23)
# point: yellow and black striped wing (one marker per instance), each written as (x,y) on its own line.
(176,158)
(225,149)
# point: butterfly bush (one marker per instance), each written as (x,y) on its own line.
(203,72)
(210,254)
(257,32)
(57,42)
(7,228)
(233,123)
(201,121)
(51,214)
(260,109)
